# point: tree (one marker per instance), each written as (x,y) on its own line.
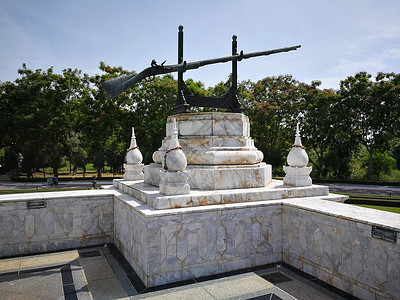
(374,108)
(272,106)
(37,113)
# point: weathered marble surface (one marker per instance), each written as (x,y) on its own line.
(213,139)
(220,177)
(274,191)
(174,183)
(335,244)
(329,240)
(69,220)
(133,172)
(187,243)
(297,176)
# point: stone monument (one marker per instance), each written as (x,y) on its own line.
(219,150)
(297,173)
(133,164)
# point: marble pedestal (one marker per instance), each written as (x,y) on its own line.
(219,150)
(133,171)
(297,176)
(218,177)
(174,183)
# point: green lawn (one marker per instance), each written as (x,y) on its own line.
(385,208)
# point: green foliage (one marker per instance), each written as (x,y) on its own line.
(47,117)
(272,105)
(373,108)
(382,164)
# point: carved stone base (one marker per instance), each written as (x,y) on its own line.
(218,177)
(133,172)
(297,176)
(174,183)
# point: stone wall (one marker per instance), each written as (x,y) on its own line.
(130,233)
(334,243)
(178,244)
(331,241)
(69,220)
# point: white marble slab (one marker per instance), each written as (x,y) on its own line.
(273,191)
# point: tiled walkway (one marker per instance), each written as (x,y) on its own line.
(103,273)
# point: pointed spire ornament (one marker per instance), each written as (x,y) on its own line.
(297,156)
(133,161)
(297,173)
(174,158)
(174,177)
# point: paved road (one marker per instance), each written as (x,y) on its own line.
(363,189)
(333,187)
(42,185)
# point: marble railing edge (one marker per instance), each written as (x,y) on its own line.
(319,204)
(346,211)
(57,195)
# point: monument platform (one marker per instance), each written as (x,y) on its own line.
(275,190)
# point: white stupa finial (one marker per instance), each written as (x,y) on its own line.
(133,139)
(174,142)
(297,139)
(174,129)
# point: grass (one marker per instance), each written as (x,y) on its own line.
(380,202)
(385,208)
(370,196)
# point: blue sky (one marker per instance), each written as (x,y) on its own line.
(338,37)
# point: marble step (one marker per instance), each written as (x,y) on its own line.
(273,191)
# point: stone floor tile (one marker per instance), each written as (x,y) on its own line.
(108,288)
(7,265)
(96,269)
(302,291)
(238,286)
(181,294)
(48,259)
(37,285)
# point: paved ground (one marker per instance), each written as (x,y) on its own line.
(103,273)
(9,185)
(363,189)
(333,187)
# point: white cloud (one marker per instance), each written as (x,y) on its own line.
(350,66)
(382,33)
(393,53)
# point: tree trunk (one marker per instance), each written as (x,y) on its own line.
(320,165)
(84,170)
(44,173)
(371,160)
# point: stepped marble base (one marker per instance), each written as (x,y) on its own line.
(297,176)
(133,172)
(218,177)
(174,183)
(273,191)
